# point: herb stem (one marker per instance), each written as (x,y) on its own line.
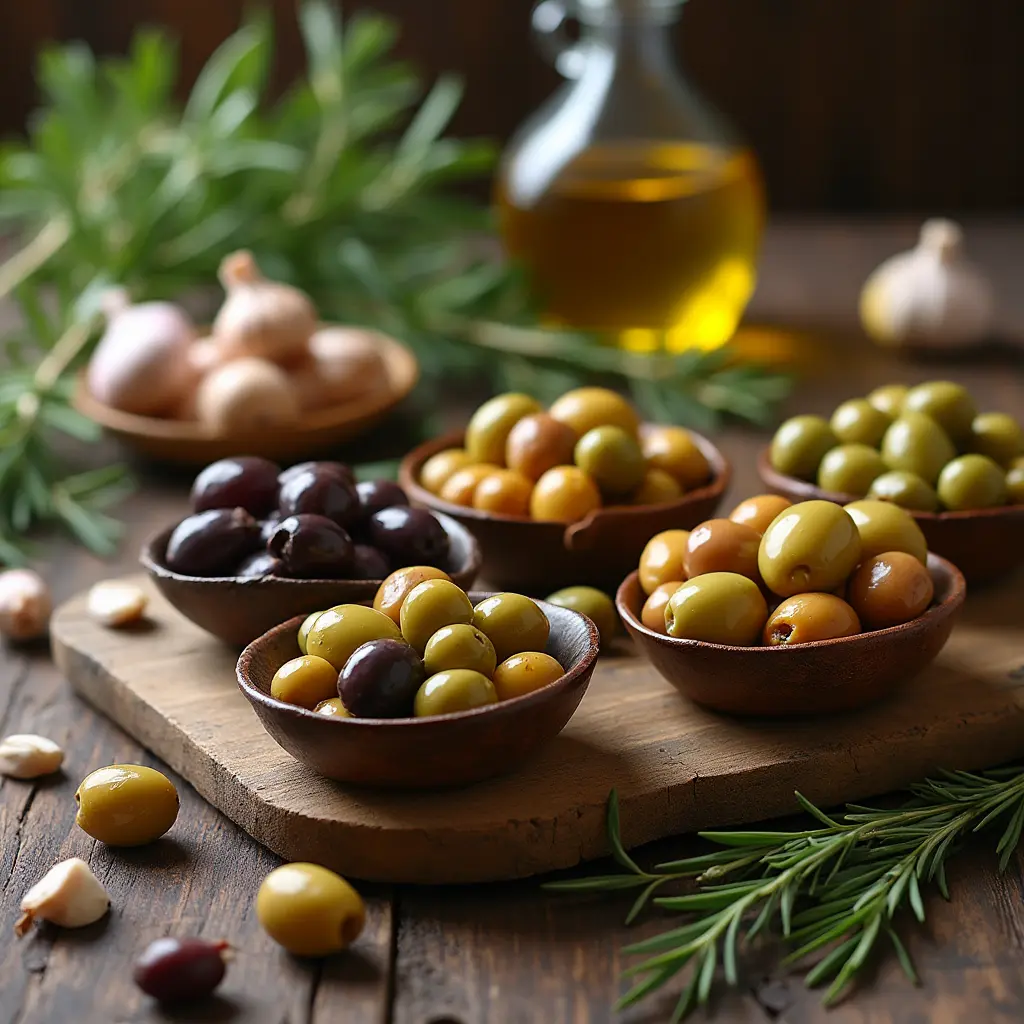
(32,256)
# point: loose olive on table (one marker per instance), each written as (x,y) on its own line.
(126,804)
(179,970)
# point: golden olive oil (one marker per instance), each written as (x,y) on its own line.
(656,244)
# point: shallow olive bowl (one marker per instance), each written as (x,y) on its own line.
(984,543)
(423,753)
(239,610)
(807,679)
(537,557)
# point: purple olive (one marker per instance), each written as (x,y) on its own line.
(212,543)
(369,564)
(340,468)
(322,492)
(409,536)
(180,970)
(380,680)
(375,495)
(244,481)
(259,565)
(268,528)
(312,547)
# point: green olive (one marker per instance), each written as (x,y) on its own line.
(799,445)
(883,526)
(810,546)
(850,469)
(905,489)
(524,673)
(513,623)
(859,422)
(889,399)
(332,708)
(431,605)
(718,608)
(309,910)
(307,625)
(972,481)
(457,690)
(126,804)
(337,632)
(916,443)
(459,646)
(305,681)
(595,604)
(998,436)
(949,404)
(489,427)
(612,457)
(1015,485)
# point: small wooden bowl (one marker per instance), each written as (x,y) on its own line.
(808,679)
(423,753)
(189,443)
(984,543)
(237,611)
(538,557)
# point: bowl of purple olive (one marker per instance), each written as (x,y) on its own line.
(263,544)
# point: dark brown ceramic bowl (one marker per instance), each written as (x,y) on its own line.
(809,679)
(538,557)
(983,543)
(237,611)
(423,753)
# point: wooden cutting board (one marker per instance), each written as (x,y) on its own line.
(676,767)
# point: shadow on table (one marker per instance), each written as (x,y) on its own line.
(210,1010)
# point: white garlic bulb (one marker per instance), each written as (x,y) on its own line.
(27,756)
(344,365)
(259,317)
(930,296)
(140,365)
(69,895)
(115,603)
(25,605)
(246,394)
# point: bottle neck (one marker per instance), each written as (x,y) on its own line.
(637,36)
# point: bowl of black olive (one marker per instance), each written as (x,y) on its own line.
(264,544)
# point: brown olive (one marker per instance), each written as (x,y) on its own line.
(720,545)
(673,450)
(805,618)
(538,443)
(759,511)
(662,559)
(889,589)
(653,613)
(395,589)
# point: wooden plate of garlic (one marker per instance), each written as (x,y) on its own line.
(266,378)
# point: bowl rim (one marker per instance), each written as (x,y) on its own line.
(771,477)
(404,372)
(413,462)
(153,563)
(937,565)
(580,670)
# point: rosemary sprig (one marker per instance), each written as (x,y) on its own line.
(830,893)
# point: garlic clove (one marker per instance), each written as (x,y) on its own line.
(261,318)
(247,394)
(114,603)
(930,296)
(25,605)
(27,756)
(69,895)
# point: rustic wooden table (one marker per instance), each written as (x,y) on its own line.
(491,954)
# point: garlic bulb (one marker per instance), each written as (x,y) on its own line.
(140,364)
(25,605)
(930,296)
(259,317)
(206,354)
(69,895)
(246,394)
(344,364)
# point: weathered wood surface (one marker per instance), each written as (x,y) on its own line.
(494,954)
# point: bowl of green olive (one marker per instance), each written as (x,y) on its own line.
(791,609)
(430,687)
(566,495)
(926,448)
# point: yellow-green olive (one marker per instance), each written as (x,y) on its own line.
(489,427)
(332,708)
(459,646)
(431,605)
(883,526)
(718,608)
(917,444)
(972,481)
(513,623)
(889,399)
(126,804)
(524,673)
(946,402)
(859,422)
(446,693)
(337,632)
(307,625)
(305,682)
(593,603)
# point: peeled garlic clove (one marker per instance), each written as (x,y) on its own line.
(25,605)
(140,365)
(114,603)
(348,362)
(246,394)
(929,296)
(69,895)
(26,756)
(261,318)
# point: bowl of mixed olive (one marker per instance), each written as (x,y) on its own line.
(263,544)
(792,609)
(429,687)
(926,448)
(569,494)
